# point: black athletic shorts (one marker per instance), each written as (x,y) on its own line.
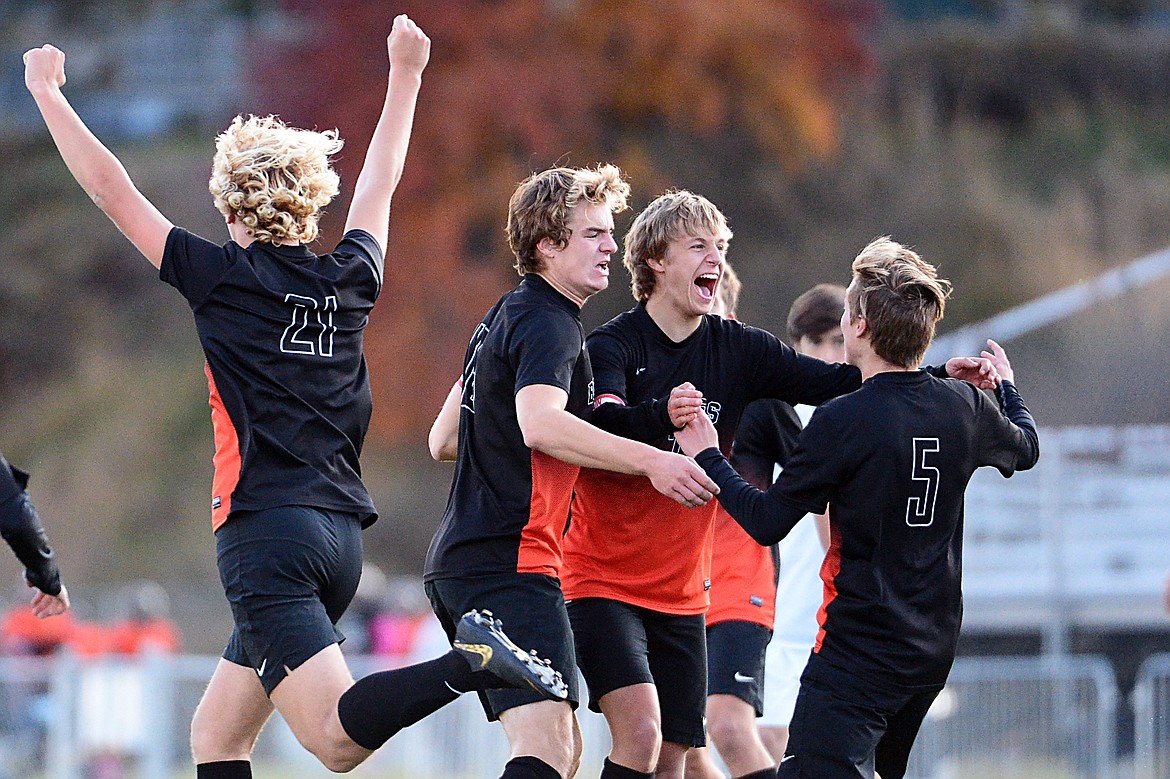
(289,573)
(845,727)
(531,607)
(735,661)
(619,645)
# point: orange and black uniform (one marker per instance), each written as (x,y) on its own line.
(743,573)
(498,546)
(630,544)
(892,462)
(281,330)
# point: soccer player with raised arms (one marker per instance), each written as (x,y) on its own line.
(281,330)
(892,462)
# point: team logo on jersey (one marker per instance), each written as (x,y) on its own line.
(591,390)
(712,409)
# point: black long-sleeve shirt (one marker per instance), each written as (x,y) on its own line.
(892,461)
(21,528)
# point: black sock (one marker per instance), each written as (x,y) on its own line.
(224,769)
(383,703)
(529,767)
(612,770)
(766,773)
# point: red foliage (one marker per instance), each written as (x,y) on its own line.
(516,85)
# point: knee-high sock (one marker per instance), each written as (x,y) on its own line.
(224,769)
(529,767)
(383,703)
(611,770)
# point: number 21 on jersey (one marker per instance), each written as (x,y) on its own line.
(920,507)
(303,336)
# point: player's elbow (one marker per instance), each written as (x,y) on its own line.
(442,448)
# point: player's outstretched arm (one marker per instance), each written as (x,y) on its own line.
(549,428)
(409,51)
(21,528)
(94,166)
(443,440)
(765,518)
(46,605)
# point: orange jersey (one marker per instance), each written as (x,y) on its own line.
(628,542)
(743,576)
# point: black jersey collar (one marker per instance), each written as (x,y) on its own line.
(295,252)
(645,321)
(539,285)
(899,377)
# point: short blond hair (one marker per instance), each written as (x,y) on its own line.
(274,179)
(667,217)
(539,208)
(901,298)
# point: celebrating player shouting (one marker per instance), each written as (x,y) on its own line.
(637,566)
(512,422)
(892,462)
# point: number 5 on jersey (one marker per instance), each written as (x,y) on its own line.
(305,337)
(920,509)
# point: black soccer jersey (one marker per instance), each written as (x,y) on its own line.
(892,462)
(509,504)
(281,330)
(616,547)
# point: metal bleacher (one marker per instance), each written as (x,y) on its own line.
(1081,540)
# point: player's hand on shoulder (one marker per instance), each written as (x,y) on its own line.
(684,404)
(409,47)
(44,65)
(681,479)
(999,359)
(979,371)
(46,605)
(699,434)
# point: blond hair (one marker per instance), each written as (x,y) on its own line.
(727,296)
(274,179)
(668,216)
(901,298)
(539,208)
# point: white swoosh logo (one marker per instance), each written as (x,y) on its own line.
(263,665)
(741,678)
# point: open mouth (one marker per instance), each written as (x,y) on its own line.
(706,285)
(603,266)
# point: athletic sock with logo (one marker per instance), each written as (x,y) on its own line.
(612,770)
(529,767)
(224,769)
(383,703)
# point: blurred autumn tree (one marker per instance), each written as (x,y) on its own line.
(516,86)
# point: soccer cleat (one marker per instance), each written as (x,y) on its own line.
(481,641)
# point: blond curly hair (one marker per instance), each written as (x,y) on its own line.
(274,179)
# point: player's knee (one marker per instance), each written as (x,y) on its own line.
(643,737)
(210,744)
(728,737)
(335,749)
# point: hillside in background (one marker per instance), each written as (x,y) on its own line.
(1018,163)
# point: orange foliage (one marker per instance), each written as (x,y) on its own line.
(517,85)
